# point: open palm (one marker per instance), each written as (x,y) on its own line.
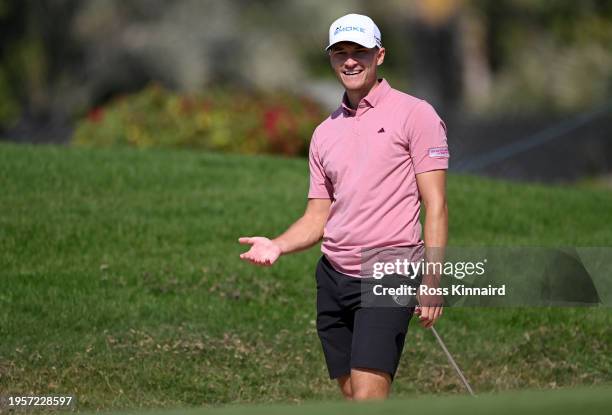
(263,251)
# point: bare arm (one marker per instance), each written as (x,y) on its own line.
(304,233)
(432,188)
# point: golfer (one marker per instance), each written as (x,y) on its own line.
(372,162)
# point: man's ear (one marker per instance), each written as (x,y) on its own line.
(380,56)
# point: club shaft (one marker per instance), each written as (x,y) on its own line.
(452,362)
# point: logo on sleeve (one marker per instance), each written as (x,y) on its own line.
(439,152)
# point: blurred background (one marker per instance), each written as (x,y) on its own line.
(525,86)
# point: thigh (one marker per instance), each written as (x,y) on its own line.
(334,323)
(378,338)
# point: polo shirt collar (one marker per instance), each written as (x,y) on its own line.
(372,99)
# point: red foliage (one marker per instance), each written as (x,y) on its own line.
(277,123)
(270,120)
(281,128)
(205,106)
(186,105)
(96,115)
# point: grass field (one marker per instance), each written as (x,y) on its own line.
(583,400)
(121,284)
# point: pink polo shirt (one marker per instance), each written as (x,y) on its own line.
(366,161)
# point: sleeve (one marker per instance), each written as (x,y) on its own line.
(320,185)
(427,139)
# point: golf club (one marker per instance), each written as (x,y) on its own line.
(452,361)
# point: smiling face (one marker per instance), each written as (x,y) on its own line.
(355,65)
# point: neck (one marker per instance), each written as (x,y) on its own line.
(354,97)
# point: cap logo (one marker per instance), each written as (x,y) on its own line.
(349,29)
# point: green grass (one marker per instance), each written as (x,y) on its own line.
(561,401)
(121,284)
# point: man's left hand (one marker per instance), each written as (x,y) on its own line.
(428,315)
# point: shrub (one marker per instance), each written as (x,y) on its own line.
(226,121)
(9,105)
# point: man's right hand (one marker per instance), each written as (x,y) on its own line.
(263,251)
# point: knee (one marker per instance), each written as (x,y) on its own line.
(366,393)
(347,391)
(369,384)
(348,395)
(345,387)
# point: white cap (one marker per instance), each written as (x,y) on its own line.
(355,28)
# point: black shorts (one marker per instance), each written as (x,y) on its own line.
(354,336)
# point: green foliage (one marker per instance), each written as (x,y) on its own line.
(9,107)
(551,56)
(24,68)
(227,121)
